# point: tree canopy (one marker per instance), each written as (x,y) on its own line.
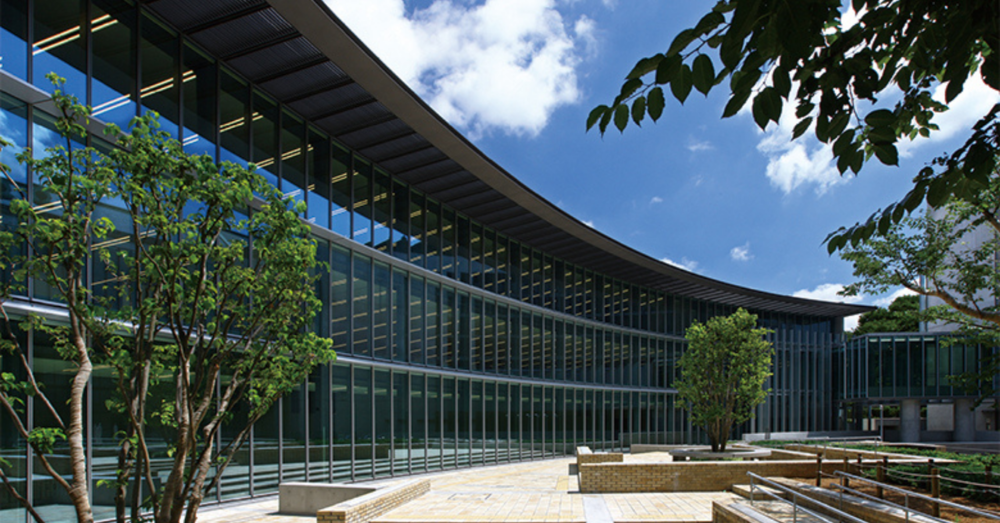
(900,316)
(949,254)
(861,87)
(723,371)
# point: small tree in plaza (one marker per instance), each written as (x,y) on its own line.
(723,371)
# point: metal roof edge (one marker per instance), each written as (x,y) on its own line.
(314,20)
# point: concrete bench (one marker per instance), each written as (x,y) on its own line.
(304,499)
(367,507)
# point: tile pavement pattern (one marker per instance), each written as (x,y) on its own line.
(532,492)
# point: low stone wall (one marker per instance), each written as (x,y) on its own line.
(778,454)
(738,513)
(640,448)
(690,476)
(585,456)
(370,506)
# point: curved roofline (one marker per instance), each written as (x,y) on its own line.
(314,20)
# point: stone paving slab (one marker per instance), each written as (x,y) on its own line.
(664,507)
(530,492)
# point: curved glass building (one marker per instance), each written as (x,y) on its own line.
(476,322)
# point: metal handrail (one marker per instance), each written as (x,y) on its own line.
(841,515)
(906,508)
(917,495)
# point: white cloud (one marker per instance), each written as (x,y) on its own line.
(695,146)
(502,65)
(827,292)
(803,162)
(655,199)
(830,292)
(589,223)
(741,253)
(685,263)
(887,300)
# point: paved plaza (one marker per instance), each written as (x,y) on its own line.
(533,492)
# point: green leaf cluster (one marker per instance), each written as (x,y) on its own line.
(205,307)
(723,370)
(950,254)
(839,77)
(902,315)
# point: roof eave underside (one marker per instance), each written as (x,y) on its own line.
(305,57)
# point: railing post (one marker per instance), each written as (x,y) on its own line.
(935,493)
(847,470)
(860,471)
(752,494)
(880,475)
(819,469)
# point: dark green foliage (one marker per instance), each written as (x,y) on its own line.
(900,316)
(839,77)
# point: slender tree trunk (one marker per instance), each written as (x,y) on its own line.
(79,491)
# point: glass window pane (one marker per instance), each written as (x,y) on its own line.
(416,328)
(432,241)
(364,442)
(401,221)
(383,417)
(59,45)
(382,211)
(435,424)
(417,233)
(380,309)
(342,435)
(14,38)
(400,304)
(114,58)
(199,102)
(362,202)
(293,435)
(234,128)
(419,452)
(362,303)
(340,192)
(432,324)
(293,157)
(320,424)
(340,298)
(319,184)
(159,48)
(400,451)
(265,137)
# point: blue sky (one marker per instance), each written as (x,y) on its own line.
(719,197)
